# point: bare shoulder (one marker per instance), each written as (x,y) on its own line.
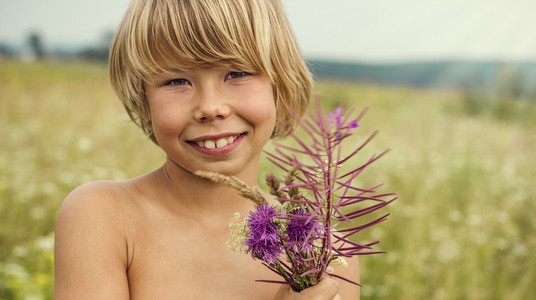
(94,196)
(91,252)
(94,206)
(99,211)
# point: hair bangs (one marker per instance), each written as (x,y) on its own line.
(186,34)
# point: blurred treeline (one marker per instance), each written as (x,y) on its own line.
(36,48)
(485,83)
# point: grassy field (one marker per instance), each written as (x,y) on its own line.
(463,228)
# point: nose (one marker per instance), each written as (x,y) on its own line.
(212,104)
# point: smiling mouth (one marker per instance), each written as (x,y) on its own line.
(216,143)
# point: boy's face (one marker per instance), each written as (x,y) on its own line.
(212,119)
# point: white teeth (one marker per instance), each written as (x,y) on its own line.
(221,143)
(210,144)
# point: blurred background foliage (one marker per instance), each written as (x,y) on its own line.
(463,161)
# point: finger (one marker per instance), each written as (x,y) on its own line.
(283,293)
(330,285)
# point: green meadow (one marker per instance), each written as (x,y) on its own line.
(464,225)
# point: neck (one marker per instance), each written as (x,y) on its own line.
(200,197)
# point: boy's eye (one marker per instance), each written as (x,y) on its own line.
(233,75)
(178,82)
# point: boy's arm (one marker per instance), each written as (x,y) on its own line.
(90,248)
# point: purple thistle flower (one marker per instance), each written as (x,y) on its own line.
(304,230)
(263,241)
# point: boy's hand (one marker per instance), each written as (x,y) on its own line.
(326,289)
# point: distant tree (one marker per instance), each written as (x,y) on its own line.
(6,51)
(107,38)
(36,45)
(511,82)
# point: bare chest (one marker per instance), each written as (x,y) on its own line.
(181,261)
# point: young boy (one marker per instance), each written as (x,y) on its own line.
(207,81)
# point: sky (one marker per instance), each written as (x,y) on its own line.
(358,30)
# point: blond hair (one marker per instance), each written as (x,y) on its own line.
(160,34)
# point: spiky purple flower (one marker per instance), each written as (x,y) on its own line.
(303,230)
(352,124)
(263,241)
(339,129)
(330,193)
(299,240)
(336,116)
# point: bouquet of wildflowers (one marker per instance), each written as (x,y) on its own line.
(299,238)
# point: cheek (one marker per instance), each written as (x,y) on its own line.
(261,113)
(260,108)
(167,122)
